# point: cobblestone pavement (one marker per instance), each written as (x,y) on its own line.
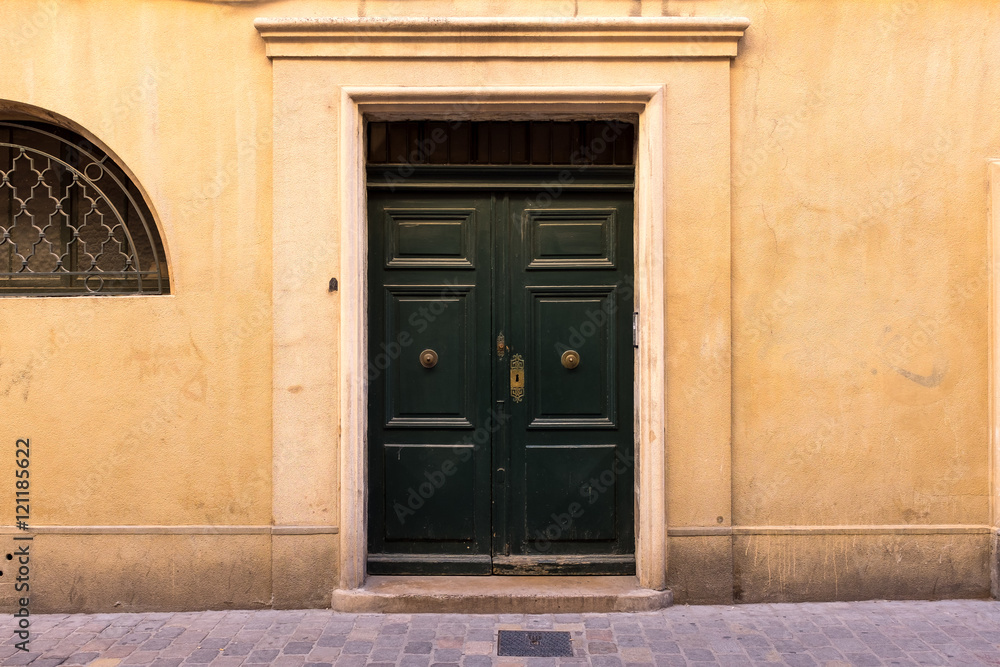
(840,633)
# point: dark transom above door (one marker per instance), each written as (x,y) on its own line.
(500,370)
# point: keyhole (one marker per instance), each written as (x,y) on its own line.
(517,377)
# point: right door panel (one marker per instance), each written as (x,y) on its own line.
(569,503)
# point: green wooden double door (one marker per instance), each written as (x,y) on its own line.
(500,382)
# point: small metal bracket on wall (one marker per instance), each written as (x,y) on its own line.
(333,284)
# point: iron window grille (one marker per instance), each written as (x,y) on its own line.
(71,221)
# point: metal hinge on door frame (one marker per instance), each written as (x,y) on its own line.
(635,328)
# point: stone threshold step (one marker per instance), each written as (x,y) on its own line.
(499,595)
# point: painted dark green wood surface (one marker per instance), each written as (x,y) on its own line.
(463,478)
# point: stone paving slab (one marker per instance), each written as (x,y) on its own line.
(835,634)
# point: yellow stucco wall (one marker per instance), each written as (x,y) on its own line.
(860,282)
(150,410)
(861,278)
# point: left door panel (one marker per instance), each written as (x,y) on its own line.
(429,264)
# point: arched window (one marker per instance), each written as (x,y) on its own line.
(71,221)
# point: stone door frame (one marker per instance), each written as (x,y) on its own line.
(674,76)
(506,102)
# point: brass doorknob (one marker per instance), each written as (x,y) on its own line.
(570,359)
(428,358)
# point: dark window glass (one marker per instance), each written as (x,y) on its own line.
(535,143)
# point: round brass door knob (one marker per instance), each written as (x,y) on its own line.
(570,359)
(428,358)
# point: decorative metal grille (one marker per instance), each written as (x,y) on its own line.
(71,221)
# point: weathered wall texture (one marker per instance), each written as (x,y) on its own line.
(861,133)
(150,410)
(860,284)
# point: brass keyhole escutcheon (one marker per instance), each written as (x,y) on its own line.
(428,358)
(517,377)
(570,359)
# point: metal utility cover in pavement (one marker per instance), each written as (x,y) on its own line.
(534,644)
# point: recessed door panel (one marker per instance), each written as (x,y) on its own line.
(429,493)
(571,238)
(430,237)
(571,492)
(436,390)
(575,391)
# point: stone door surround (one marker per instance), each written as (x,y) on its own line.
(329,75)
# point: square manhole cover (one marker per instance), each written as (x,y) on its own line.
(534,644)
